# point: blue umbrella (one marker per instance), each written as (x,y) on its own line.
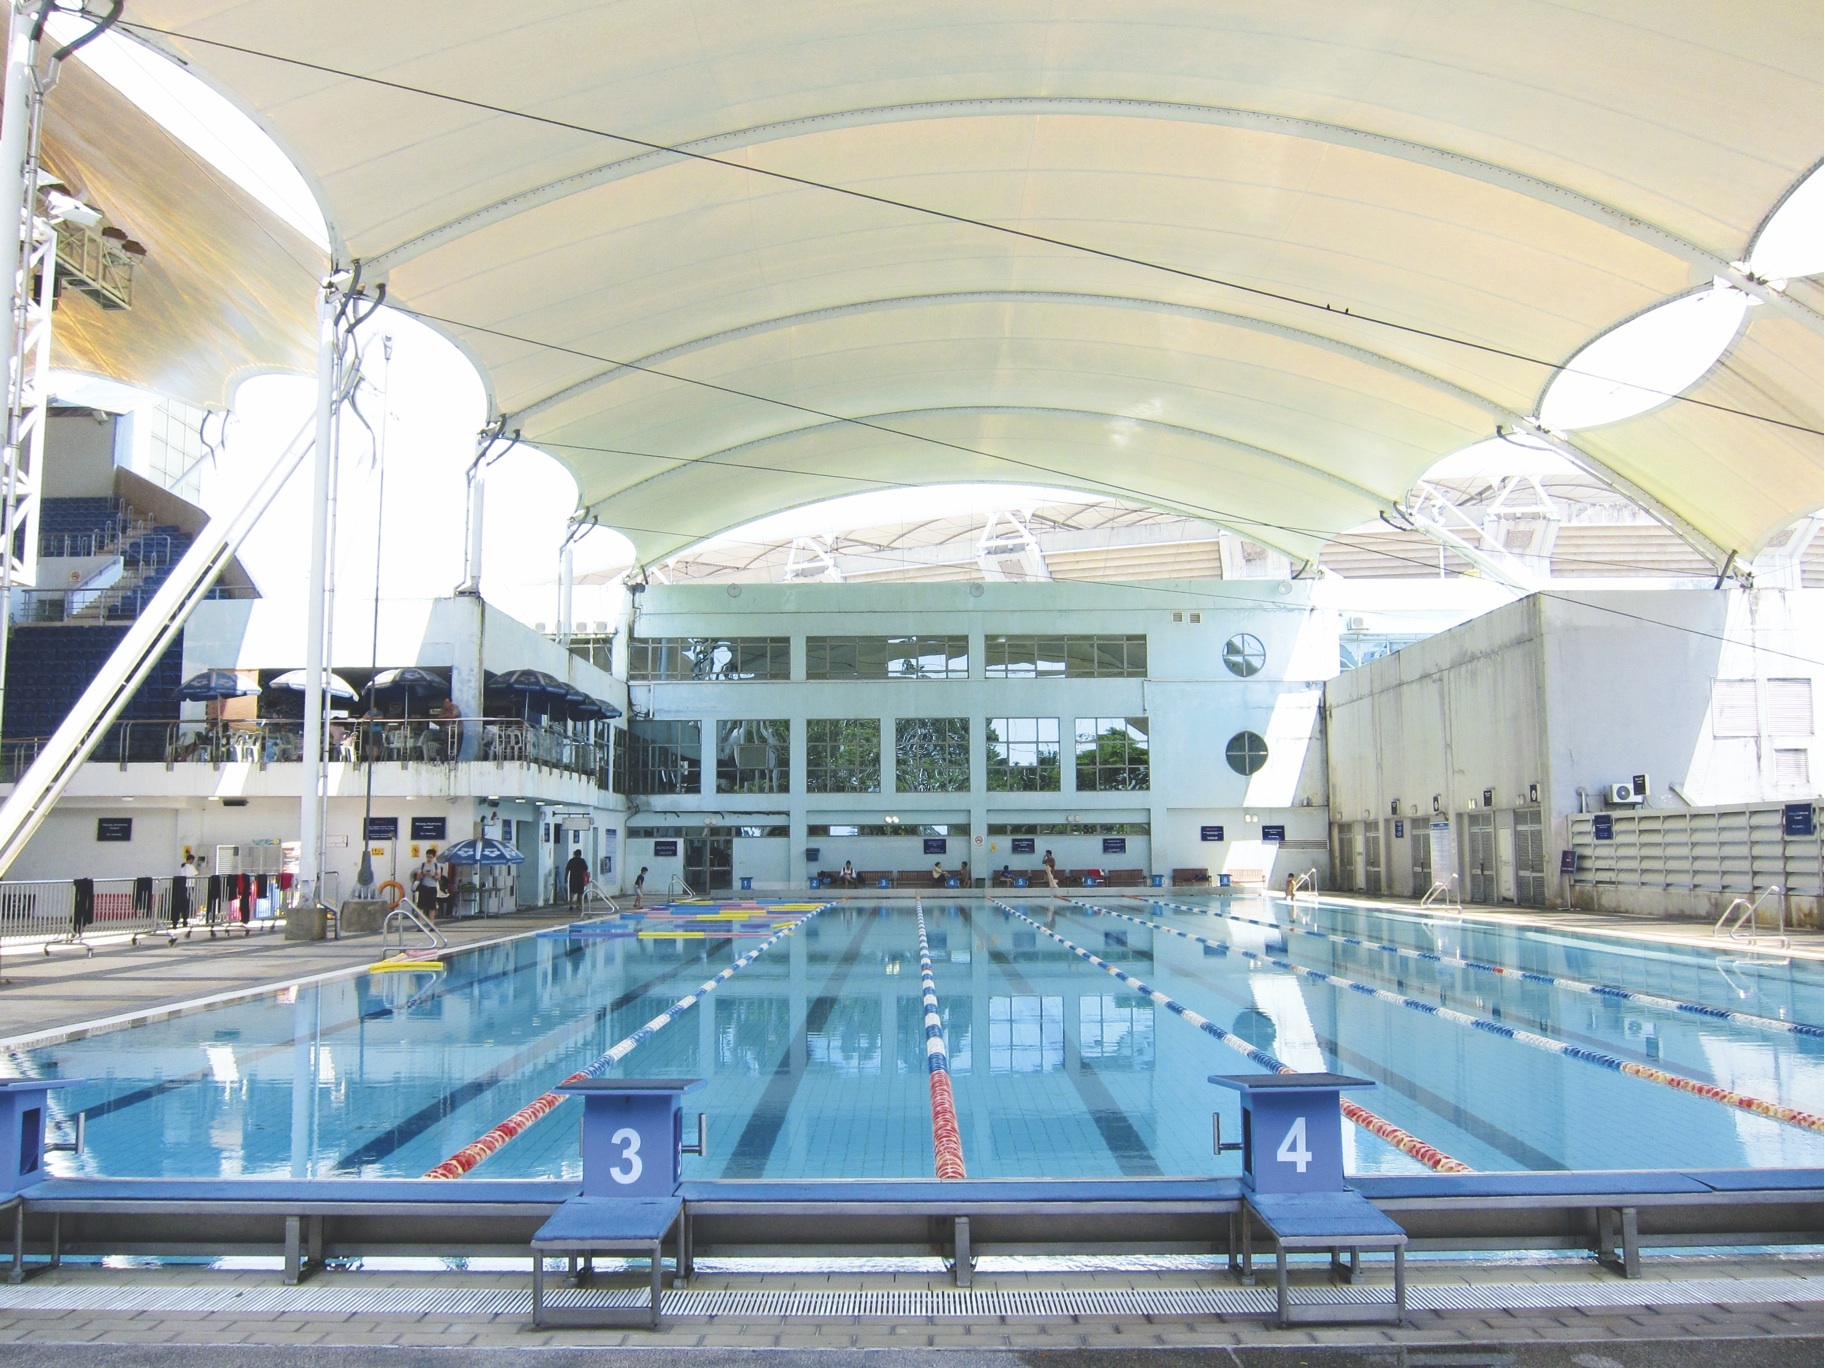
(416,685)
(212,685)
(486,851)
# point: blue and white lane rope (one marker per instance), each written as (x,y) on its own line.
(522,1120)
(1774,1111)
(947,1136)
(1429,1155)
(1605,990)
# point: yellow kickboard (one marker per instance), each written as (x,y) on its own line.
(397,966)
(671,935)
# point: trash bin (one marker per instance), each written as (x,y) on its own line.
(747,883)
(1159,880)
(1222,881)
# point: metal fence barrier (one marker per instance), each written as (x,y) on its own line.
(54,913)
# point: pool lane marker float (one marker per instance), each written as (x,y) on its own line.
(1774,1111)
(492,1141)
(1605,990)
(1410,1145)
(947,1138)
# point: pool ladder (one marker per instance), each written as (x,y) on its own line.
(407,916)
(676,885)
(1443,893)
(1744,913)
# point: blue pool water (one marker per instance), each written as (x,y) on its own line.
(815,1059)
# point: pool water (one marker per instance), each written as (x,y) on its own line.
(815,1053)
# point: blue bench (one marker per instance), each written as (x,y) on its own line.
(240,1212)
(1325,1220)
(586,1226)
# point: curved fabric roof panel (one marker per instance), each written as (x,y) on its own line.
(1356,236)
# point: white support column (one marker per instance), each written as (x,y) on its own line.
(310,815)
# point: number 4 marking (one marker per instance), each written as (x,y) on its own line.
(1292,1149)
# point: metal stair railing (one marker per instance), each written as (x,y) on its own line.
(1747,912)
(407,916)
(1443,893)
(676,885)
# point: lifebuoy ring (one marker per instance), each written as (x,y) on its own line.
(399,893)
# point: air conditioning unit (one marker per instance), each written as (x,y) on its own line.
(1625,793)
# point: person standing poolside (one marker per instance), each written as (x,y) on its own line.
(640,887)
(424,884)
(1051,867)
(576,876)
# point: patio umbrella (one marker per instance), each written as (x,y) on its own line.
(410,683)
(486,851)
(213,685)
(292,681)
(530,684)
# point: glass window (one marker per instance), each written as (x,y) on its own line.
(1023,754)
(753,756)
(1112,754)
(932,754)
(1244,654)
(959,829)
(843,755)
(665,757)
(899,657)
(683,659)
(1246,752)
(1070,829)
(1065,657)
(617,770)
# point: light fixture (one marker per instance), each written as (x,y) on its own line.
(62,208)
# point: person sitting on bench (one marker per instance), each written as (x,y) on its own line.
(937,874)
(1004,877)
(848,877)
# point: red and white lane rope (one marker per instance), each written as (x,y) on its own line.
(1774,1111)
(947,1139)
(1605,990)
(1411,1145)
(492,1141)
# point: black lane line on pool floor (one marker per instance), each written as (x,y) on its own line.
(1436,1103)
(755,1146)
(441,1108)
(1126,1146)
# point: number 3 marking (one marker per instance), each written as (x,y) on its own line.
(1292,1149)
(629,1140)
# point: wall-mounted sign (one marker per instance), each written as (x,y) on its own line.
(1796,819)
(114,828)
(1603,827)
(813,854)
(335,843)
(1400,829)
(935,845)
(1488,798)
(1210,833)
(664,848)
(1023,845)
(429,828)
(1568,862)
(1273,833)
(383,829)
(1115,845)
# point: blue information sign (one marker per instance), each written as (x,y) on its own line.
(1603,827)
(1568,862)
(935,845)
(1210,833)
(1400,829)
(383,828)
(813,854)
(1115,845)
(662,848)
(429,828)
(1273,833)
(1023,845)
(1796,819)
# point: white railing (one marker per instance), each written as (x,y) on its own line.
(404,918)
(1744,912)
(595,893)
(1443,893)
(676,885)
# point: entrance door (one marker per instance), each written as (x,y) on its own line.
(1421,845)
(1346,855)
(1530,858)
(1479,856)
(1371,857)
(709,863)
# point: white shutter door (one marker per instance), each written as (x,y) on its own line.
(1790,707)
(1733,708)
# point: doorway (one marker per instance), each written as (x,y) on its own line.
(709,863)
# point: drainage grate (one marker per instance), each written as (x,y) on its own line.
(899,1304)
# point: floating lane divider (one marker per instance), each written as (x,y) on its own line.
(522,1120)
(1774,1111)
(1606,990)
(947,1138)
(1411,1145)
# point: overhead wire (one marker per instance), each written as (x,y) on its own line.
(888,201)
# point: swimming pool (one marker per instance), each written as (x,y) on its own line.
(815,1052)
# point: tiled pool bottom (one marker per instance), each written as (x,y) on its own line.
(815,1060)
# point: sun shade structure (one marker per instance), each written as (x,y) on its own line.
(486,851)
(1257,263)
(212,686)
(293,681)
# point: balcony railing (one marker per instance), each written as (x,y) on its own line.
(100,605)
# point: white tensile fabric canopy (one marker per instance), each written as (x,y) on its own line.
(1484,186)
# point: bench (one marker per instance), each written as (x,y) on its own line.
(1324,1220)
(587,1226)
(1183,878)
(954,1219)
(1127,878)
(308,1218)
(872,878)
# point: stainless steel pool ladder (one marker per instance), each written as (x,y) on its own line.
(1309,879)
(1443,893)
(676,884)
(406,915)
(596,893)
(1743,913)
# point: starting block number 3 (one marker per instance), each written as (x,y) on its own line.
(1292,1149)
(630,1167)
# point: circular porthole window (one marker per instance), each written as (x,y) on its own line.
(1246,752)
(1244,654)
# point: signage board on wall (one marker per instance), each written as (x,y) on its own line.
(1438,835)
(935,845)
(114,828)
(1273,833)
(429,828)
(1568,862)
(1023,845)
(1210,833)
(1400,829)
(383,829)
(813,854)
(1603,827)
(1115,845)
(664,848)
(1797,820)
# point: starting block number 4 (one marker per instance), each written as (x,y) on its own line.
(1293,1148)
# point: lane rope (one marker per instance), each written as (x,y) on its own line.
(493,1140)
(1774,1111)
(947,1137)
(1604,990)
(1411,1145)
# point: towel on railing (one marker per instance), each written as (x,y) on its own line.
(84,912)
(142,895)
(214,898)
(179,908)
